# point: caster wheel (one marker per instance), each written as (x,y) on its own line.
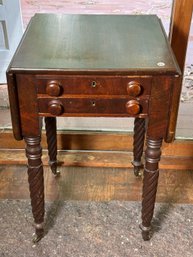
(146,232)
(137,171)
(36,238)
(56,173)
(39,232)
(53,166)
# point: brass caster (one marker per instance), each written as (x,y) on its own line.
(137,166)
(39,232)
(146,232)
(56,173)
(37,238)
(137,171)
(53,166)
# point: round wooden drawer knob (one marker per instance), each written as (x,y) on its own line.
(133,107)
(134,88)
(55,108)
(53,88)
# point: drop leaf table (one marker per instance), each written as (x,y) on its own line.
(94,66)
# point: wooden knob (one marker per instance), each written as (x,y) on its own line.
(53,88)
(133,107)
(55,107)
(134,88)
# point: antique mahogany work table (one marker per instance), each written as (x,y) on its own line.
(94,66)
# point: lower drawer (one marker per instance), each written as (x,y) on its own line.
(92,107)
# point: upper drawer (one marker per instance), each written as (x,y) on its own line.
(93,85)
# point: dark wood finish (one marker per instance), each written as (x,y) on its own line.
(134,88)
(95,106)
(30,122)
(133,107)
(138,144)
(36,183)
(159,106)
(54,107)
(94,85)
(180,28)
(53,88)
(14,106)
(52,142)
(179,33)
(83,76)
(150,181)
(173,112)
(98,44)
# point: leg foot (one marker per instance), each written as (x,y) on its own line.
(138,143)
(137,166)
(145,232)
(53,166)
(39,232)
(150,181)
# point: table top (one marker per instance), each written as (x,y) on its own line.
(95,43)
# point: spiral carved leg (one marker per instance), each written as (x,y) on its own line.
(36,183)
(150,181)
(138,144)
(52,143)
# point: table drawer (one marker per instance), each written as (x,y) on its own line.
(93,85)
(93,107)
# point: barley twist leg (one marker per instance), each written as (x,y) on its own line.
(36,183)
(138,144)
(150,182)
(52,143)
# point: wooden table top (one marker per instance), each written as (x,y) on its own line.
(95,43)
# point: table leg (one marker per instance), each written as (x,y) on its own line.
(52,143)
(138,144)
(36,183)
(150,181)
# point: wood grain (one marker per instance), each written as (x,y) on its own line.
(14,106)
(97,184)
(96,159)
(179,28)
(94,141)
(159,107)
(91,85)
(179,33)
(30,125)
(84,50)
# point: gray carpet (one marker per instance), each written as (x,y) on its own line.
(88,229)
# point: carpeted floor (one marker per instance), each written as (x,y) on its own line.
(89,229)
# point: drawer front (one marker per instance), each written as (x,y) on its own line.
(93,85)
(74,106)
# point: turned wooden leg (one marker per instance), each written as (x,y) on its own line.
(36,183)
(150,181)
(138,144)
(52,143)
